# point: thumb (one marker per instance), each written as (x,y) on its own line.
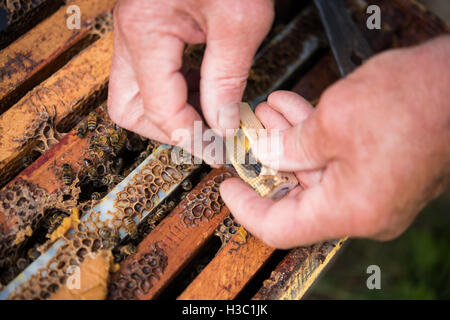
(297,148)
(300,218)
(230,48)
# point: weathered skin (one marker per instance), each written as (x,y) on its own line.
(373,153)
(149,42)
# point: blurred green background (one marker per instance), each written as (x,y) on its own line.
(414,266)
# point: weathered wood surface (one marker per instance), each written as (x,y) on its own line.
(69,91)
(45,172)
(230,270)
(43,49)
(18,16)
(403,23)
(298,271)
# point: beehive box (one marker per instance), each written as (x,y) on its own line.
(167,233)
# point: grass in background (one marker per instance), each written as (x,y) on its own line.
(414,266)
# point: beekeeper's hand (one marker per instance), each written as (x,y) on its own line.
(373,152)
(147,91)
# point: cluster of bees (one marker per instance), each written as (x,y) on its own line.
(109,145)
(112,154)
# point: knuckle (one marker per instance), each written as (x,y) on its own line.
(123,11)
(271,238)
(115,114)
(331,106)
(260,12)
(128,15)
(373,224)
(118,115)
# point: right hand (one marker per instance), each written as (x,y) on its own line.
(147,92)
(372,154)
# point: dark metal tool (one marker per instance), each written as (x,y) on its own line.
(349,46)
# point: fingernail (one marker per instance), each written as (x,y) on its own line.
(228,117)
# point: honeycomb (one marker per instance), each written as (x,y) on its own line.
(141,193)
(42,131)
(139,275)
(82,241)
(107,158)
(226,229)
(92,279)
(204,204)
(23,206)
(103,23)
(27,208)
(40,136)
(16,8)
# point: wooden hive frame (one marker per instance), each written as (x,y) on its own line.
(64,75)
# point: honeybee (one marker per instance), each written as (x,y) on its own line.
(102,142)
(95,196)
(186,185)
(128,249)
(117,165)
(159,214)
(118,139)
(105,233)
(170,205)
(87,161)
(183,195)
(54,221)
(110,236)
(90,169)
(184,167)
(82,129)
(143,155)
(130,227)
(21,263)
(92,121)
(96,151)
(67,174)
(110,179)
(33,253)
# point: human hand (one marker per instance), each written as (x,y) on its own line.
(147,91)
(373,152)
